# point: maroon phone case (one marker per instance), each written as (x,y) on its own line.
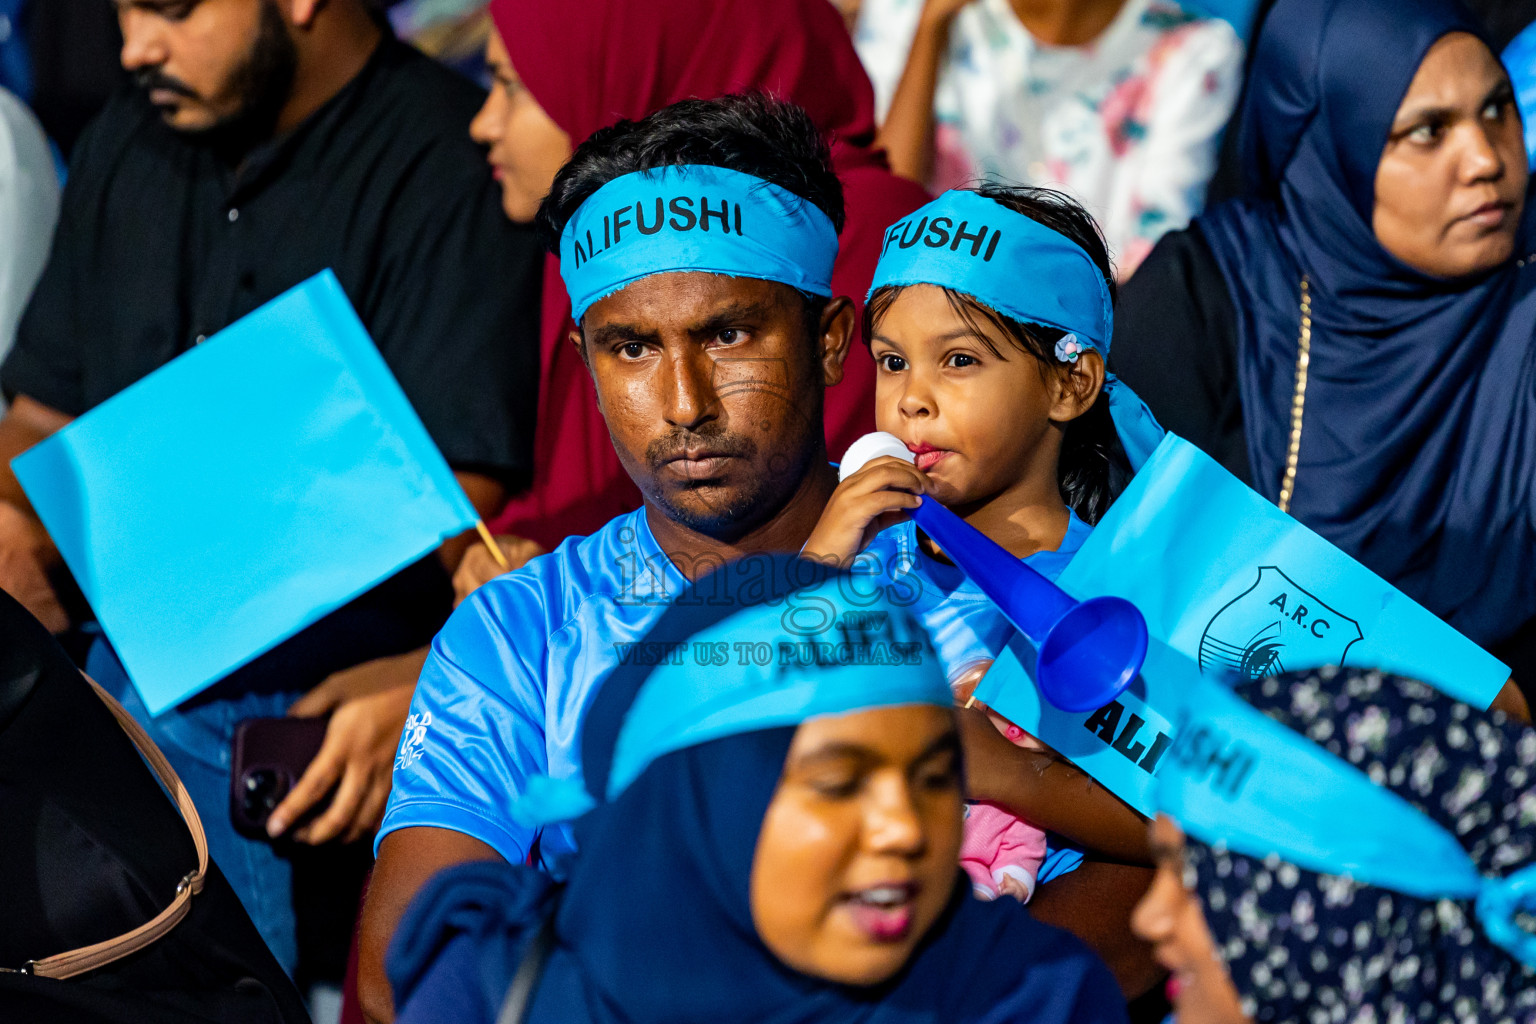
(270,755)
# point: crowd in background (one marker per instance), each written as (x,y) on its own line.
(167,171)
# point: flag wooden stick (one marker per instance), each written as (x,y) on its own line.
(491,545)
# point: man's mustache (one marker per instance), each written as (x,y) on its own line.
(153,78)
(679,442)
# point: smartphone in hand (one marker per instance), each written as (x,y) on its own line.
(270,755)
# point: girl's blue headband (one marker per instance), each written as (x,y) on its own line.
(1002,259)
(1021,268)
(694,217)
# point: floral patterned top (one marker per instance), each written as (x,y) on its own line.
(1128,124)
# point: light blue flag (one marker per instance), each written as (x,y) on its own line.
(1230,587)
(1121,744)
(242,491)
(1229,580)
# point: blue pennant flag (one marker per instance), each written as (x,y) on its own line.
(1122,744)
(1231,588)
(1227,579)
(243,491)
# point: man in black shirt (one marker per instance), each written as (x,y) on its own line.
(266,141)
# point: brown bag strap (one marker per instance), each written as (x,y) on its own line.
(88,958)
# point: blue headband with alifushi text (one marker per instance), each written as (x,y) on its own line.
(694,217)
(1019,267)
(1235,777)
(824,651)
(1002,259)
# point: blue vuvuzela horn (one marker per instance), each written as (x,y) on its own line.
(1089,651)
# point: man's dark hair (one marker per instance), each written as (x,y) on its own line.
(751,133)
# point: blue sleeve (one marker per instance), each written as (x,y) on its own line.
(476,728)
(1061,858)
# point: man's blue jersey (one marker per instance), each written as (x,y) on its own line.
(510,677)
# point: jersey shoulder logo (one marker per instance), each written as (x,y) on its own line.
(413,740)
(1273,625)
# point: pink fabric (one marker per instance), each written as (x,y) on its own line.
(1001,853)
(589,63)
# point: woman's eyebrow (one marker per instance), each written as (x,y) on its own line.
(1504,90)
(835,750)
(1414,116)
(154,6)
(1440,112)
(949,743)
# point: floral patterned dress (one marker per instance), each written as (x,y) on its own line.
(1129,124)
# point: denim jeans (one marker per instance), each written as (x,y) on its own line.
(197,738)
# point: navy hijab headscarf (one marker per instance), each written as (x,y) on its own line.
(1418,447)
(655,925)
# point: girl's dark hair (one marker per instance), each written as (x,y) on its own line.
(1093,468)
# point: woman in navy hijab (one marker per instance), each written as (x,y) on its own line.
(771,834)
(1356,342)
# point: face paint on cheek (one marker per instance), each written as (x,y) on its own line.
(734,375)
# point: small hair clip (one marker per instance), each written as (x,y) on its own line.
(1068,348)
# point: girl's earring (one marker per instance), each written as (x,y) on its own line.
(1068,348)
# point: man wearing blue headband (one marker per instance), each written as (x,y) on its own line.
(697,247)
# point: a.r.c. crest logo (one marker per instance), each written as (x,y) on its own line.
(1273,625)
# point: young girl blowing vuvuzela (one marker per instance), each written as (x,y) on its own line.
(988,320)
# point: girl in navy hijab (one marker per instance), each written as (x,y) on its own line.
(769,839)
(1356,342)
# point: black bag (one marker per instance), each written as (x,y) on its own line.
(92,851)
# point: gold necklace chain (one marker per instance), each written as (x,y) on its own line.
(1299,397)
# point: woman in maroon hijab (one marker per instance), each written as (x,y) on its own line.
(564,69)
